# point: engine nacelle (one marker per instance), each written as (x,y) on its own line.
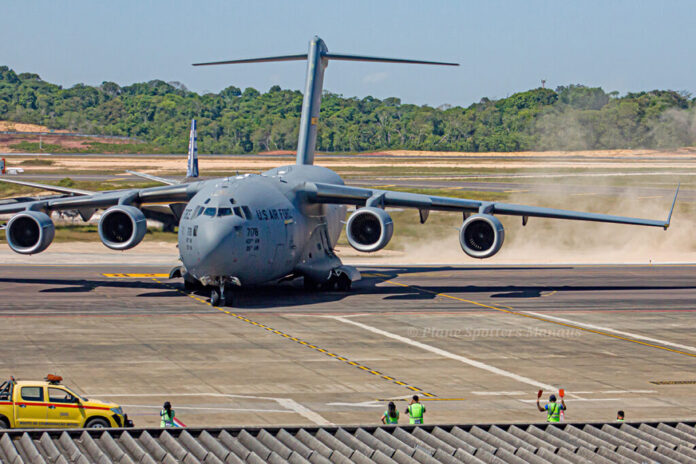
(30,232)
(122,227)
(369,229)
(481,236)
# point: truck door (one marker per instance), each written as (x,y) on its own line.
(63,409)
(30,408)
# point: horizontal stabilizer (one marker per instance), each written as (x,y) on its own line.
(267,59)
(335,56)
(330,56)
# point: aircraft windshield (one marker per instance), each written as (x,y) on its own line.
(210,212)
(224,212)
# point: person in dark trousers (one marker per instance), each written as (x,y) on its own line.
(552,409)
(167,415)
(415,411)
(391,415)
(620,416)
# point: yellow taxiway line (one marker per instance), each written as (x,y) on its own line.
(302,342)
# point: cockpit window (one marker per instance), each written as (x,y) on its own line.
(232,200)
(198,211)
(209,212)
(224,212)
(238,211)
(206,201)
(247,212)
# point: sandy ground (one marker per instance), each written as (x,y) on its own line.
(22,127)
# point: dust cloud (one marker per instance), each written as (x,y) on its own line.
(548,241)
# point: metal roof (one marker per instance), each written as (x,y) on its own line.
(634,442)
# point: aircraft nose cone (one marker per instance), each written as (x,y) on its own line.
(220,241)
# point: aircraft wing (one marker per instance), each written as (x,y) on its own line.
(153,195)
(163,180)
(342,194)
(51,188)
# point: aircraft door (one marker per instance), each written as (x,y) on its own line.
(31,410)
(64,409)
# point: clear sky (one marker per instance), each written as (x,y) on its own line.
(502,46)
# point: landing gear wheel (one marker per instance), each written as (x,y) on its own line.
(225,295)
(343,283)
(221,296)
(4,424)
(215,297)
(98,423)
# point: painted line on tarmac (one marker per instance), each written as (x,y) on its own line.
(196,408)
(304,343)
(618,332)
(448,354)
(546,318)
(520,393)
(288,403)
(135,275)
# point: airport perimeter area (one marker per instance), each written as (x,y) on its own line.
(474,342)
(671,442)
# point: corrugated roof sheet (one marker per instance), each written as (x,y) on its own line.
(659,442)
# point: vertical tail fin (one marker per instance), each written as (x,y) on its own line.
(192,165)
(317,59)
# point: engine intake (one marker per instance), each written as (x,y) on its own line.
(30,232)
(369,229)
(481,236)
(122,227)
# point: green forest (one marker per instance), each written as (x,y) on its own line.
(572,117)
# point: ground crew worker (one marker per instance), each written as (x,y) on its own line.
(167,415)
(391,415)
(552,409)
(620,416)
(415,411)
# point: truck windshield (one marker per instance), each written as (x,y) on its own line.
(5,391)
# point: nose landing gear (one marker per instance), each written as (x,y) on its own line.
(221,296)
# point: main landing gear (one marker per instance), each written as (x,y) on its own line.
(336,283)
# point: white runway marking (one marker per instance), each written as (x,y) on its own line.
(583,399)
(195,408)
(303,411)
(617,332)
(288,403)
(520,393)
(447,354)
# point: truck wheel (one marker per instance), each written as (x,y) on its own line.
(98,423)
(4,424)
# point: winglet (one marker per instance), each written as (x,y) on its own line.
(674,202)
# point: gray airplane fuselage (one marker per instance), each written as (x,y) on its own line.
(256,228)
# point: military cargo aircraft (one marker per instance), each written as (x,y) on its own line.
(280,224)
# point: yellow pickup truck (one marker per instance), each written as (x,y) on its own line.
(48,404)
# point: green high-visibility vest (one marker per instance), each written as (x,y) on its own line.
(553,412)
(391,420)
(415,413)
(167,420)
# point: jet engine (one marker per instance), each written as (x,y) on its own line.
(30,232)
(369,229)
(122,227)
(481,236)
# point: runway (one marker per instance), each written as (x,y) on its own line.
(564,184)
(476,342)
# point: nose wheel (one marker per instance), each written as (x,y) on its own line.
(221,296)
